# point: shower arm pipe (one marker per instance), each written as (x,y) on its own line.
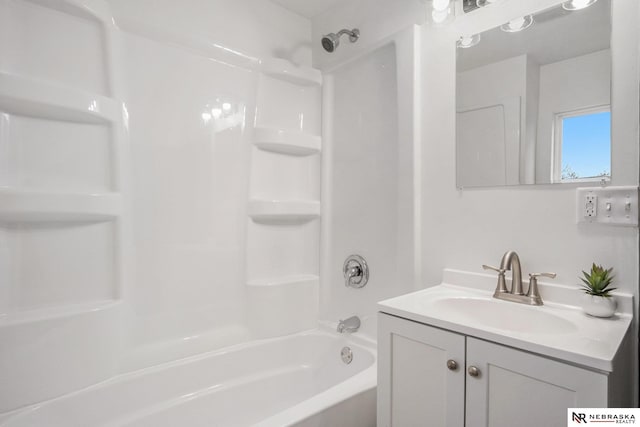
(353,34)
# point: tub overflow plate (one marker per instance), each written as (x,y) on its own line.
(347,355)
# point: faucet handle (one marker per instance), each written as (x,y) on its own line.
(502,285)
(533,293)
(536,275)
(496,269)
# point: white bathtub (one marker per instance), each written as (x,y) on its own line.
(295,380)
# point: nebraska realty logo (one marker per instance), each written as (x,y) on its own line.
(578,416)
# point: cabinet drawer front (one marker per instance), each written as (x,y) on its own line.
(416,387)
(519,388)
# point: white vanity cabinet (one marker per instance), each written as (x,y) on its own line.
(426,378)
(415,387)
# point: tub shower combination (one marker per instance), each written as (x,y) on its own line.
(155,184)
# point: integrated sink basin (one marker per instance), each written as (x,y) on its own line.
(507,316)
(464,304)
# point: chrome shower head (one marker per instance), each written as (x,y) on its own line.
(331,41)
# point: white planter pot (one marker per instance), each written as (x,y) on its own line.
(599,306)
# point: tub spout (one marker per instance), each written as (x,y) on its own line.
(352,324)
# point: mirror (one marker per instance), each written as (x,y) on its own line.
(533,100)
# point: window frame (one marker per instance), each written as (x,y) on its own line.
(556,171)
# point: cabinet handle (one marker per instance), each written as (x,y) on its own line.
(473,371)
(452,365)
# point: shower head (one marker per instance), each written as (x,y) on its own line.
(331,41)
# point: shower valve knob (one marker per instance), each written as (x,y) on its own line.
(355,271)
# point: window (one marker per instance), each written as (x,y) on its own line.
(583,145)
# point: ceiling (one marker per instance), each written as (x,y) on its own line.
(307,8)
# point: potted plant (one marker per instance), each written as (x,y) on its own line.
(598,302)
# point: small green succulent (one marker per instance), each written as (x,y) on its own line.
(597,281)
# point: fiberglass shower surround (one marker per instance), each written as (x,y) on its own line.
(168,189)
(131,146)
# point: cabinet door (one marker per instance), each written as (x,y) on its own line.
(415,386)
(516,388)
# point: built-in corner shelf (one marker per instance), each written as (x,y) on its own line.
(286,70)
(282,141)
(44,314)
(285,281)
(283,211)
(18,206)
(36,98)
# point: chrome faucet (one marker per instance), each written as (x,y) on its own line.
(511,262)
(352,324)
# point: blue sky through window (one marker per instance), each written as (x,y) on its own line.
(586,144)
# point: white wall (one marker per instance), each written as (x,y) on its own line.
(191,171)
(369,204)
(367,200)
(188,204)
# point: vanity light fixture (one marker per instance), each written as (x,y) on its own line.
(483,3)
(466,42)
(471,5)
(440,11)
(517,24)
(441,5)
(577,4)
(440,16)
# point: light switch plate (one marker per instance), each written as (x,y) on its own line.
(607,205)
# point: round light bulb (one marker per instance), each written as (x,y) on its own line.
(517,24)
(439,16)
(577,4)
(466,42)
(441,5)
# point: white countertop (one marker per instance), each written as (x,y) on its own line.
(579,339)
